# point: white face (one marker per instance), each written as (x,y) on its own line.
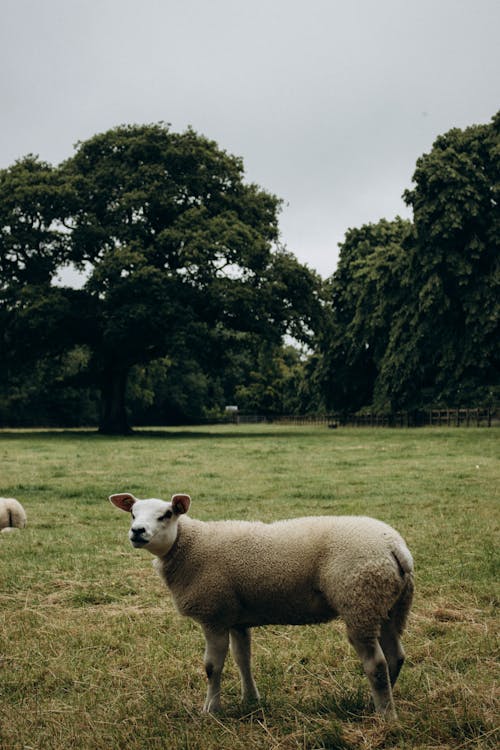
(154,522)
(154,525)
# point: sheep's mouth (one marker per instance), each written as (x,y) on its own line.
(138,542)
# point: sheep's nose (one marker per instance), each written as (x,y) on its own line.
(136,536)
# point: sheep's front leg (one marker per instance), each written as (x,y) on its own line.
(375,668)
(217,642)
(240,640)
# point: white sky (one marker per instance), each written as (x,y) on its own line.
(329,102)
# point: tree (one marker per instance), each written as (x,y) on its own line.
(444,345)
(31,244)
(365,294)
(178,250)
(415,310)
(38,321)
(274,383)
(49,393)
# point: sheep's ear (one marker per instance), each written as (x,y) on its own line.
(181,503)
(124,501)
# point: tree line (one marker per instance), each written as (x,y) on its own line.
(190,302)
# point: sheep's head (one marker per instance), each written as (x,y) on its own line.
(154,522)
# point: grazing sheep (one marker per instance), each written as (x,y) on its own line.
(231,576)
(12,514)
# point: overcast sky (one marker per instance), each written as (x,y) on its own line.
(329,102)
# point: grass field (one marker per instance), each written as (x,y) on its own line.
(93,655)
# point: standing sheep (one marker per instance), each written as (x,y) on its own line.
(231,576)
(12,514)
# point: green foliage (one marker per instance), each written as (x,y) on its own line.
(32,247)
(52,392)
(444,346)
(415,310)
(189,295)
(172,391)
(177,243)
(178,250)
(366,293)
(274,384)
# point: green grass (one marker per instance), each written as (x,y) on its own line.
(93,655)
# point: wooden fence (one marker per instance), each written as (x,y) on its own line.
(476,417)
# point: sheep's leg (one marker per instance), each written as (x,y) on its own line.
(240,641)
(375,668)
(393,650)
(217,643)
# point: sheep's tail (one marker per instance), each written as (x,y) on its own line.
(401,609)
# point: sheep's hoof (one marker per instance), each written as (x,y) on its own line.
(250,701)
(387,714)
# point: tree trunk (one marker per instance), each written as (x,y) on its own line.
(113,420)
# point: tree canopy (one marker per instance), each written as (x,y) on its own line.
(365,295)
(189,297)
(415,309)
(180,253)
(444,347)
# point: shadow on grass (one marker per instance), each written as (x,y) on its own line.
(161,434)
(351,704)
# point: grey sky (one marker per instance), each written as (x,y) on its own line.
(329,102)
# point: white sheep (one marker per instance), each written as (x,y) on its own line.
(231,576)
(12,514)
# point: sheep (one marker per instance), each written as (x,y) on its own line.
(12,514)
(231,576)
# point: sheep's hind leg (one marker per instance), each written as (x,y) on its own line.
(240,641)
(393,650)
(376,670)
(217,642)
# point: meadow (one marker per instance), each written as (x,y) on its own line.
(94,656)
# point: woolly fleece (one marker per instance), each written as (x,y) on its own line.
(298,571)
(12,514)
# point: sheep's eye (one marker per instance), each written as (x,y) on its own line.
(167,514)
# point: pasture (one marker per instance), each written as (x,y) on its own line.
(93,655)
